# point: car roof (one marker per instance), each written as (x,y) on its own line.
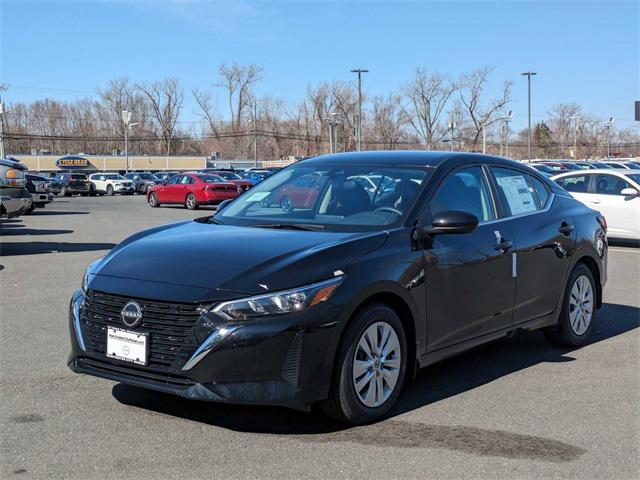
(606,171)
(403,157)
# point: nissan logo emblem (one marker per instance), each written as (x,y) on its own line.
(131,314)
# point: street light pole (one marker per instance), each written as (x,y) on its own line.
(608,126)
(255,135)
(529,75)
(575,136)
(359,71)
(126,118)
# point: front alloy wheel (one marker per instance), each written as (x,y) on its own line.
(376,364)
(109,190)
(370,367)
(153,200)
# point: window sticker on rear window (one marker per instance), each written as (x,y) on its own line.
(518,194)
(258,196)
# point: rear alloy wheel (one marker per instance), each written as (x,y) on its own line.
(64,192)
(153,200)
(576,317)
(370,367)
(109,190)
(285,204)
(191,203)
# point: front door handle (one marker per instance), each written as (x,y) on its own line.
(596,201)
(566,228)
(504,245)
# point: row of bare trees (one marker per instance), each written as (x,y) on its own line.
(431,111)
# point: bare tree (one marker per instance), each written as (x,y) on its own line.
(165,98)
(427,95)
(389,120)
(481,112)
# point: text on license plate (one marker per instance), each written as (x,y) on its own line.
(128,346)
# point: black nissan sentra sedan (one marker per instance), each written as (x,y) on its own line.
(334,280)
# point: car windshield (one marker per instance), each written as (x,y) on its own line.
(332,197)
(211,178)
(228,175)
(147,176)
(543,168)
(78,177)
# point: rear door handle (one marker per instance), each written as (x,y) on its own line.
(596,201)
(566,228)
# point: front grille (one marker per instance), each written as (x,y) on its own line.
(170,327)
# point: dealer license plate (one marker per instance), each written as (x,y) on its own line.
(128,346)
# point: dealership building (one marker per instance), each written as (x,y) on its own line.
(118,163)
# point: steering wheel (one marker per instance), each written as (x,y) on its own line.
(389,209)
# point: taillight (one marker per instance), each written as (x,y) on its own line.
(602,221)
(15,178)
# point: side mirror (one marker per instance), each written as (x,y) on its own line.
(223,204)
(629,192)
(450,222)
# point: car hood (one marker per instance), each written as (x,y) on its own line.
(240,259)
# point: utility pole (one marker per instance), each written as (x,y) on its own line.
(575,119)
(529,75)
(3,88)
(359,71)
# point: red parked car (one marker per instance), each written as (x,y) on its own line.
(231,177)
(192,190)
(301,193)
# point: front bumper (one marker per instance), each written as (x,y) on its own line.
(41,198)
(16,206)
(124,189)
(284,360)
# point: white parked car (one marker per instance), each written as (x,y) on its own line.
(111,183)
(615,193)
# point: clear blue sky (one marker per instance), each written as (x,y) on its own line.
(585,52)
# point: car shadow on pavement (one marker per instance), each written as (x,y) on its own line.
(34,248)
(40,213)
(432,384)
(32,231)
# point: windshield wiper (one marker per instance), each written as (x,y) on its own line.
(290,226)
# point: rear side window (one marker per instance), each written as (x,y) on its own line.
(574,183)
(464,190)
(516,191)
(541,191)
(610,184)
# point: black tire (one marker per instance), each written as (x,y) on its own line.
(64,192)
(30,209)
(190,202)
(343,403)
(153,200)
(109,192)
(564,334)
(143,188)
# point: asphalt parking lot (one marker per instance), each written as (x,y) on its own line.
(517,408)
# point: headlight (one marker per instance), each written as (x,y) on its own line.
(89,271)
(288,301)
(85,280)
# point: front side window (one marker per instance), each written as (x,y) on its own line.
(332,197)
(610,185)
(574,183)
(465,190)
(516,191)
